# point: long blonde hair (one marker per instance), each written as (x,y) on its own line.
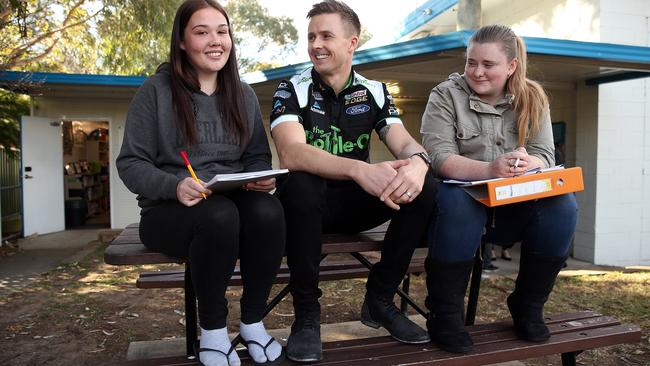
(530,100)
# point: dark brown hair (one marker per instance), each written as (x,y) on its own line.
(530,101)
(336,7)
(185,80)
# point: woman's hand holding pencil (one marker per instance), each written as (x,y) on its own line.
(190,190)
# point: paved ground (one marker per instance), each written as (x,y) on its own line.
(42,253)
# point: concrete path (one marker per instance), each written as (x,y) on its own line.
(42,253)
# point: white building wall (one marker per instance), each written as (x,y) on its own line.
(622,214)
(124,207)
(620,196)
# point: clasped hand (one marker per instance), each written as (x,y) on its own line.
(394,182)
(510,164)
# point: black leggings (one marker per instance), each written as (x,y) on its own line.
(212,235)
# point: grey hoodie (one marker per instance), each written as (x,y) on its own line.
(150,163)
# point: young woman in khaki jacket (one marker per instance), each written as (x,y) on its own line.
(491,122)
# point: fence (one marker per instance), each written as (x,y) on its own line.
(10,188)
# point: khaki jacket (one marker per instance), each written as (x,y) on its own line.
(456,121)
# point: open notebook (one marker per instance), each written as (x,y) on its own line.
(226,182)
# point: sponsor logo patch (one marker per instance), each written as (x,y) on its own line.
(278,110)
(317,96)
(358,93)
(352,100)
(277,104)
(313,109)
(282,85)
(357,109)
(282,94)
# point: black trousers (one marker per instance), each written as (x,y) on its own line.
(314,205)
(247,225)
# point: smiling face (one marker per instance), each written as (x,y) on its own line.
(487,70)
(207,42)
(331,44)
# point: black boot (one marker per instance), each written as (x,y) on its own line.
(304,344)
(526,303)
(379,311)
(446,285)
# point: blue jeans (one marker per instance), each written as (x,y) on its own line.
(544,226)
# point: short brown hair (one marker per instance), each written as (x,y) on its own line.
(336,7)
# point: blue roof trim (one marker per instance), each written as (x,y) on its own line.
(416,47)
(448,41)
(74,79)
(425,13)
(591,50)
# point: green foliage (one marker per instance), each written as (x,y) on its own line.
(30,30)
(124,37)
(259,34)
(12,106)
(134,35)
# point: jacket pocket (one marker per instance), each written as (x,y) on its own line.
(469,139)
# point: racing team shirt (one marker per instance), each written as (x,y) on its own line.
(340,125)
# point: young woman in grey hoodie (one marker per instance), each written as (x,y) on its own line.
(197,103)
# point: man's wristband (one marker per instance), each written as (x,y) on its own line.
(424,156)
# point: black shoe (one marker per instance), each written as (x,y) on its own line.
(384,313)
(490,267)
(304,343)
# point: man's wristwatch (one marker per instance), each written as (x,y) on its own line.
(424,156)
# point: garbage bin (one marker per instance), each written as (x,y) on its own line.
(75,212)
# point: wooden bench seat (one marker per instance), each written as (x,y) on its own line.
(127,249)
(571,333)
(329,271)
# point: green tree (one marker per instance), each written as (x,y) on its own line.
(123,36)
(134,35)
(30,30)
(12,106)
(261,38)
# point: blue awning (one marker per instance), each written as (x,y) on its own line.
(626,56)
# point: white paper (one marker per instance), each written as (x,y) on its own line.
(225,182)
(479,182)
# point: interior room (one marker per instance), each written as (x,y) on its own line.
(86,169)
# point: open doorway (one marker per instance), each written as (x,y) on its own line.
(85,160)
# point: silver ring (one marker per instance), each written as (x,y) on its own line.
(408,194)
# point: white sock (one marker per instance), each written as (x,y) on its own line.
(256,332)
(217,339)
